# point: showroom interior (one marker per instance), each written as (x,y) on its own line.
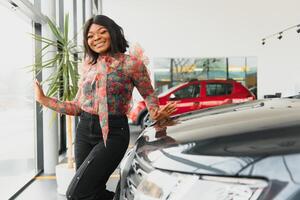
(254,42)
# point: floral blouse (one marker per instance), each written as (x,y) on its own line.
(123,73)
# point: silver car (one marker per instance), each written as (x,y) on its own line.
(247,151)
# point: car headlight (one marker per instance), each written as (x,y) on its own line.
(159,186)
(156,185)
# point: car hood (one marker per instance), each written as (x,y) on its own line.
(177,158)
(226,140)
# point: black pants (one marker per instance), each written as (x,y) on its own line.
(95,162)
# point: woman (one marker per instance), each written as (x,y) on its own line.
(102,101)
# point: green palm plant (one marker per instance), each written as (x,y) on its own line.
(63,82)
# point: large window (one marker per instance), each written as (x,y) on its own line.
(17,157)
(170,72)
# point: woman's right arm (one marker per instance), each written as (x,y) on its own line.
(66,107)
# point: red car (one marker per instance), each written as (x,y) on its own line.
(195,95)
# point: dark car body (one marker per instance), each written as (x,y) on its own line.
(196,95)
(240,151)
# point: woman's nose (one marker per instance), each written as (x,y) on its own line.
(96,37)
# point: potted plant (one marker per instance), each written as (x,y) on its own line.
(62,85)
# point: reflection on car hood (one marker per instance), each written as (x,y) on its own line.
(225,140)
(174,159)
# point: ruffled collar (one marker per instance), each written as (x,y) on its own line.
(111,62)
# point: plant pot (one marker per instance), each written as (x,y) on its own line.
(64,176)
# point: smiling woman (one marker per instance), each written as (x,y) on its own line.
(99,39)
(17,160)
(102,101)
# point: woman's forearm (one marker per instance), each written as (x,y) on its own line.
(66,107)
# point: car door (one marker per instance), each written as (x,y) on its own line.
(187,97)
(217,93)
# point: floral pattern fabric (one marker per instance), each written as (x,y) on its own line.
(115,79)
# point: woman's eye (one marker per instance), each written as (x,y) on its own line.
(89,36)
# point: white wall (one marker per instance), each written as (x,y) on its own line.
(206,28)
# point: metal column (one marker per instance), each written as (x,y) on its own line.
(50,128)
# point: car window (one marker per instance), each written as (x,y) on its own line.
(217,89)
(191,91)
(171,89)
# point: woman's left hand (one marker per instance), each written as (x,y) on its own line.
(164,112)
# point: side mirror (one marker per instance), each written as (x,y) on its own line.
(172,97)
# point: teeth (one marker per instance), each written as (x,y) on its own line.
(99,44)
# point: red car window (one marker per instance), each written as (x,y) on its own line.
(191,91)
(218,89)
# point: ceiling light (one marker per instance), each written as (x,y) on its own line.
(298,30)
(280,36)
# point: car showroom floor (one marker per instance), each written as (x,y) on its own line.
(44,186)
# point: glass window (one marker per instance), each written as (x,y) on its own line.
(191,91)
(174,71)
(244,70)
(217,89)
(17,144)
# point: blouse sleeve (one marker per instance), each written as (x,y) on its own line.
(65,107)
(141,80)
(69,107)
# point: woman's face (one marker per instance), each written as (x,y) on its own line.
(98,39)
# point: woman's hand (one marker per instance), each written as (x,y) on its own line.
(39,94)
(164,112)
